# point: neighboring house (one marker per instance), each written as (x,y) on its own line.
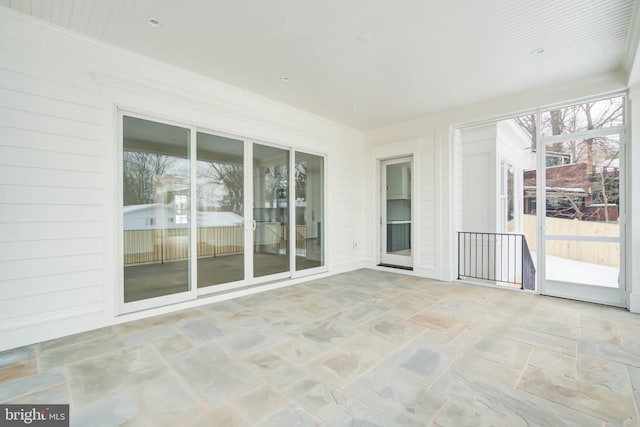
(158,216)
(573,192)
(149,217)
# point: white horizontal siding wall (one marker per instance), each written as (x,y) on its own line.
(52,196)
(347,225)
(428,202)
(59,169)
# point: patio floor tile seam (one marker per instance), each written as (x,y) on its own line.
(179,378)
(526,365)
(85,359)
(562,403)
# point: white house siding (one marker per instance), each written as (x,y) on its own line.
(456,161)
(346,224)
(428,199)
(51,194)
(60,217)
(479,178)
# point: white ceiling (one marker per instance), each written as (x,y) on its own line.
(391,59)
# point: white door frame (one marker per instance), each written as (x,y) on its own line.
(192,288)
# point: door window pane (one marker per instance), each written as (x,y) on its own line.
(399,209)
(600,114)
(309,198)
(220,205)
(155,209)
(270,210)
(583,194)
(589,263)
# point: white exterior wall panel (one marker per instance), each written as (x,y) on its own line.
(428,205)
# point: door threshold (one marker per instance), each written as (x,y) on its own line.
(400,267)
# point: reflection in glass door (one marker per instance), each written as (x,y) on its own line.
(220,209)
(270,210)
(156,204)
(396,216)
(309,203)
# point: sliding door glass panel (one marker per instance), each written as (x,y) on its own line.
(270,210)
(156,203)
(309,181)
(220,206)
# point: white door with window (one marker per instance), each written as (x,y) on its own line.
(582,225)
(580,201)
(396,232)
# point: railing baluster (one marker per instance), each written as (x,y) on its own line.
(468,270)
(508,255)
(476,263)
(495,257)
(459,257)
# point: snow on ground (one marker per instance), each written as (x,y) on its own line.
(568,270)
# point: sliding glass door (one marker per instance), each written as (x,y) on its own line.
(309,211)
(271,244)
(156,201)
(203,213)
(220,210)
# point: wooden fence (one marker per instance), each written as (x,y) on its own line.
(164,245)
(600,253)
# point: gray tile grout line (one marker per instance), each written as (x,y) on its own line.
(193,394)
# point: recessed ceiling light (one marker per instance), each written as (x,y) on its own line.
(285,79)
(538,51)
(154,22)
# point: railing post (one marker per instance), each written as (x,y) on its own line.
(522,262)
(459,246)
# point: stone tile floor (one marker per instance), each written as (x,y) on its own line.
(365,348)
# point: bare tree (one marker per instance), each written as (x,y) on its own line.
(231,177)
(276,181)
(301,180)
(606,176)
(599,154)
(528,124)
(139,174)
